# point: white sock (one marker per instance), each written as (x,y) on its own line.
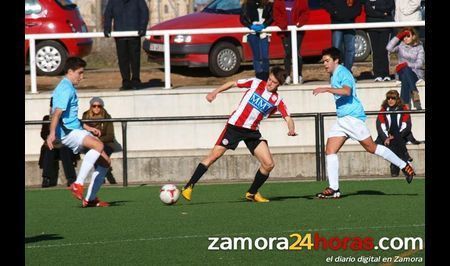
(96,182)
(88,162)
(333,171)
(387,154)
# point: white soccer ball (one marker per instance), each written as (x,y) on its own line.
(169,194)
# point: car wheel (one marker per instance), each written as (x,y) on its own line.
(362,46)
(224,59)
(50,58)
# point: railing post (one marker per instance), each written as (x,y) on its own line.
(167,61)
(294,55)
(318,147)
(322,147)
(124,154)
(33,65)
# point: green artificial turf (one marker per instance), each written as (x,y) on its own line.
(137,229)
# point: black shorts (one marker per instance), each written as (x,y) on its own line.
(232,135)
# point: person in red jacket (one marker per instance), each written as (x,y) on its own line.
(298,17)
(394,129)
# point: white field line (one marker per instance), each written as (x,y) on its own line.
(217,235)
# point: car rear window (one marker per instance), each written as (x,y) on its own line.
(66,4)
(223,7)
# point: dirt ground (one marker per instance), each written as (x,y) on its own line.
(153,76)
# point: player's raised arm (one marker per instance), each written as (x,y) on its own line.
(212,95)
(345,90)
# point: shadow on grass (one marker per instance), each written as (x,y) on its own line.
(376,193)
(111,204)
(117,203)
(44,237)
(357,193)
(309,197)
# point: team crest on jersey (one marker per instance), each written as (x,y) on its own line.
(225,142)
(260,104)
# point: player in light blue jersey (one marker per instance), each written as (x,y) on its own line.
(66,128)
(350,123)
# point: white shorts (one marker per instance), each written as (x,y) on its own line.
(351,127)
(74,140)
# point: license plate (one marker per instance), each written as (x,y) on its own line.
(156,47)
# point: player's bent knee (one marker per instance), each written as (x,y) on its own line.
(370,148)
(268,166)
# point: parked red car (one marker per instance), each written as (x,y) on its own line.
(223,53)
(54,16)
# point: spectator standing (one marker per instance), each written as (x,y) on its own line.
(394,129)
(257,15)
(49,159)
(407,10)
(343,11)
(98,111)
(298,17)
(380,11)
(411,62)
(128,15)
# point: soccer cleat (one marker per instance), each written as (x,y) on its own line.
(187,192)
(77,190)
(255,197)
(409,173)
(94,203)
(329,193)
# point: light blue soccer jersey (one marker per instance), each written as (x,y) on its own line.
(346,105)
(65,98)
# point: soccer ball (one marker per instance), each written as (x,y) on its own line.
(169,194)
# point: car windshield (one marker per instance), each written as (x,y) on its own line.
(66,4)
(223,7)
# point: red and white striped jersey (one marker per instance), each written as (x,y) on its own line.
(256,104)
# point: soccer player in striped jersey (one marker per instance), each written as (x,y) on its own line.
(259,102)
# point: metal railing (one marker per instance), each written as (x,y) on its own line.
(166,33)
(318,125)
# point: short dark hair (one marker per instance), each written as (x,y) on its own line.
(279,73)
(333,52)
(74,63)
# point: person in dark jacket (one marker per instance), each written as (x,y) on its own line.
(298,17)
(257,15)
(128,15)
(380,11)
(343,11)
(394,130)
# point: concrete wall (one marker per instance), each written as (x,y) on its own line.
(294,163)
(183,144)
